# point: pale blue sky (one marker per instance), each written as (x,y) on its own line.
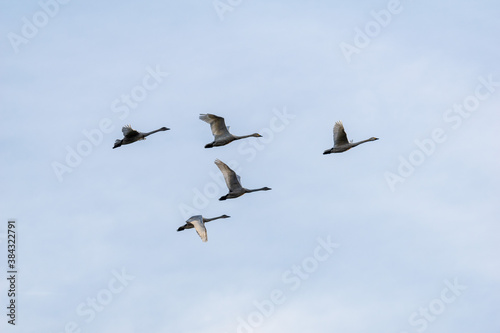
(117,211)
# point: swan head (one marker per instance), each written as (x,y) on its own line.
(266,188)
(373,138)
(164,129)
(257,135)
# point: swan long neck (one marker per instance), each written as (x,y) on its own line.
(257,189)
(236,137)
(360,142)
(152,132)
(214,218)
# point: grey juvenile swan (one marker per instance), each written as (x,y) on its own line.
(198,222)
(221,133)
(233,182)
(131,135)
(340,142)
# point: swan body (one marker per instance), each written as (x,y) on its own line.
(340,142)
(198,222)
(130,135)
(233,182)
(221,132)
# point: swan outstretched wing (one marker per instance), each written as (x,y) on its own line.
(217,124)
(232,179)
(129,132)
(339,136)
(199,226)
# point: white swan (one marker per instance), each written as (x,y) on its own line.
(198,222)
(340,142)
(131,135)
(233,182)
(221,132)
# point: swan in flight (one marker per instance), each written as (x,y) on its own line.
(233,182)
(198,222)
(221,133)
(131,135)
(340,142)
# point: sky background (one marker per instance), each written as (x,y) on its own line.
(115,212)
